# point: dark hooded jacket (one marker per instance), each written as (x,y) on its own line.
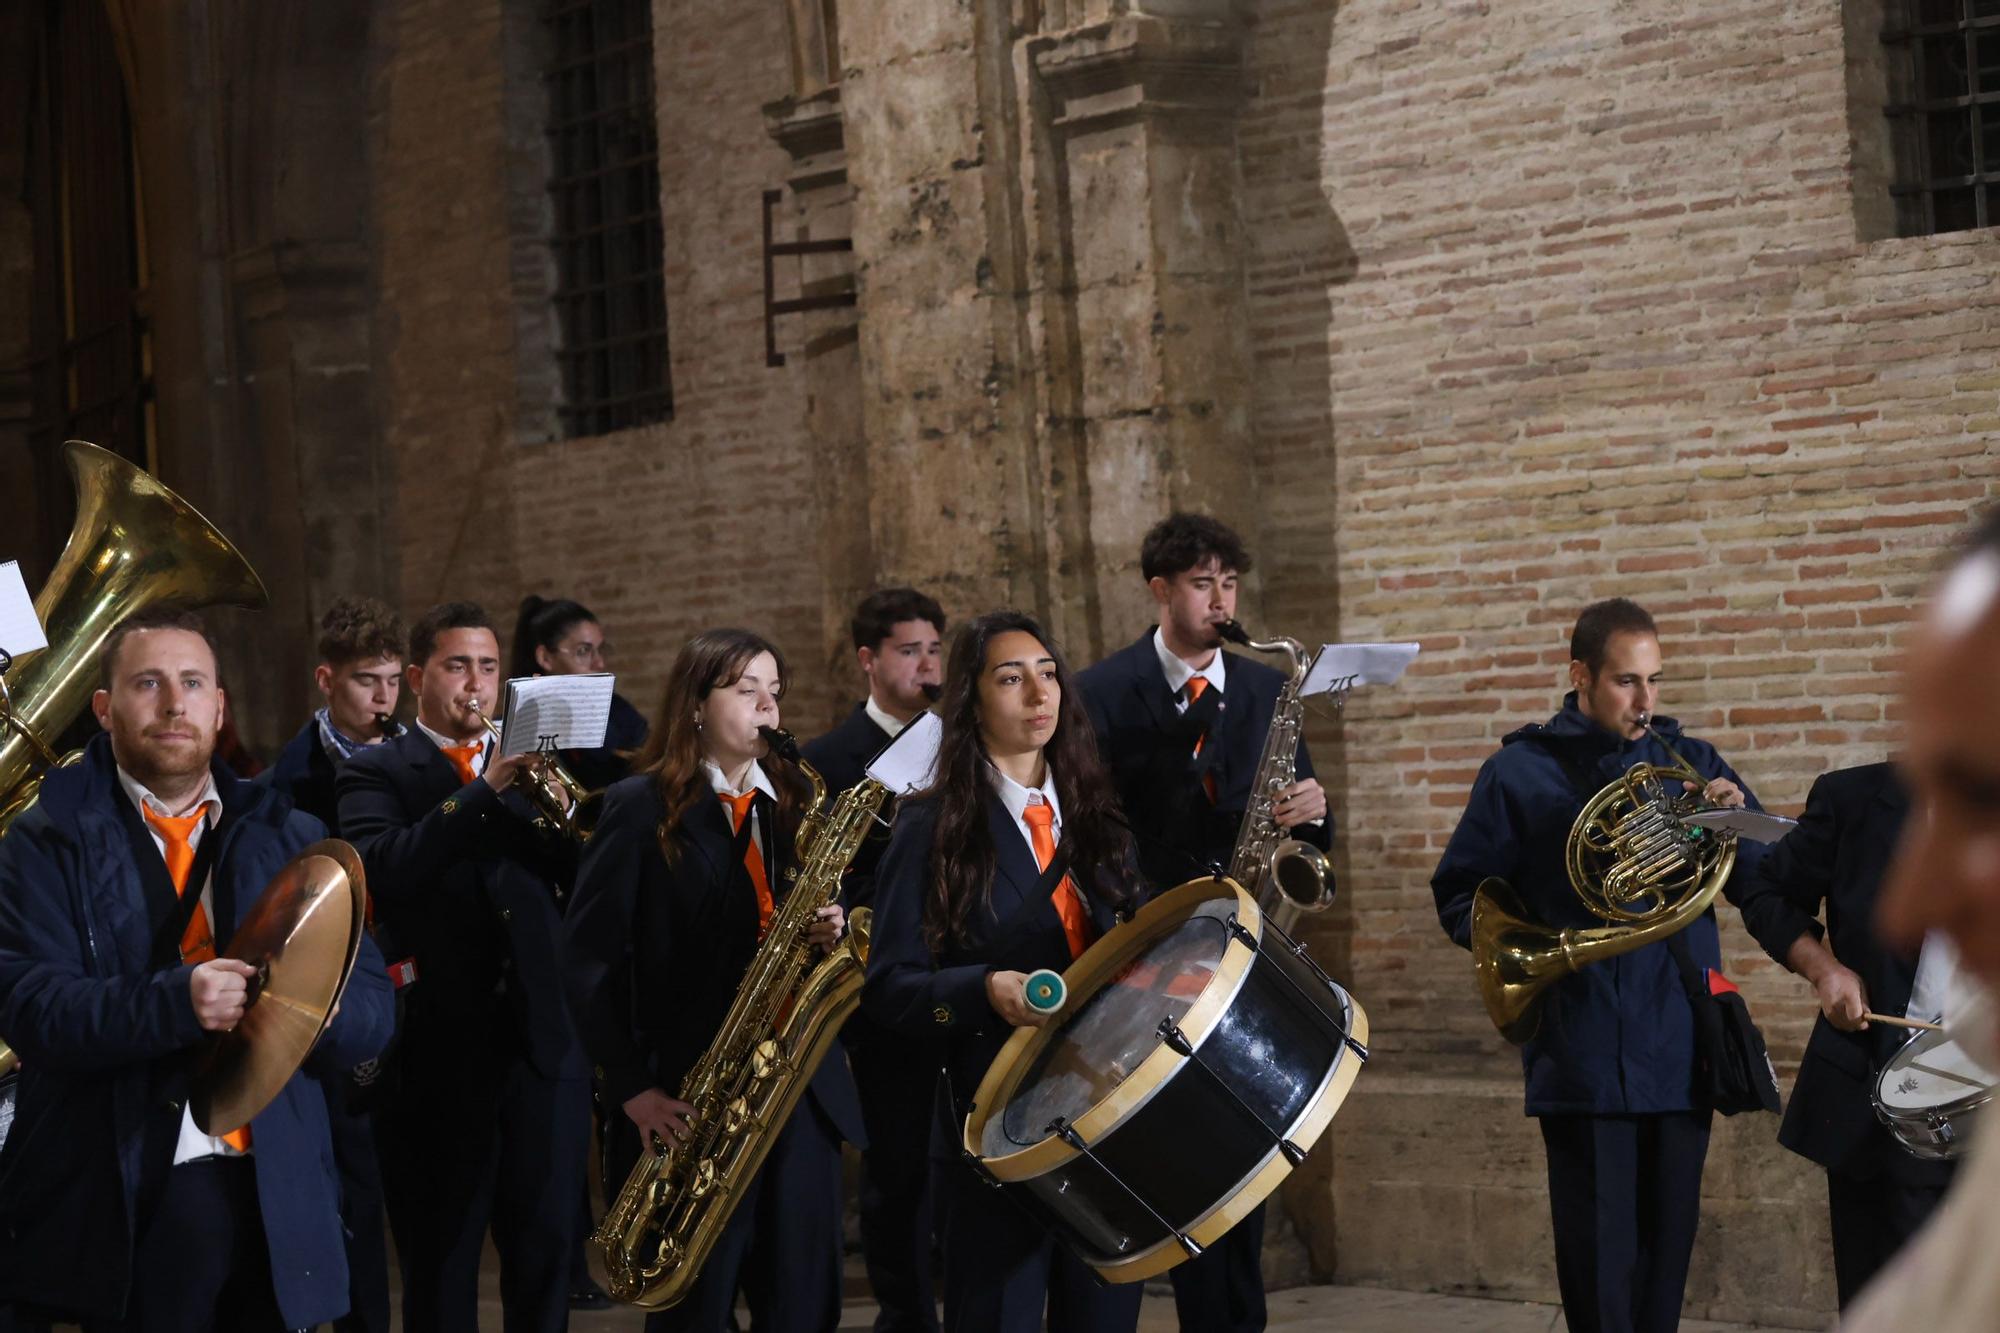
(1617,1036)
(105,1032)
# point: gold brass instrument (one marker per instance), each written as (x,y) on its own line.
(556,795)
(658,1233)
(134,545)
(1286,875)
(1635,864)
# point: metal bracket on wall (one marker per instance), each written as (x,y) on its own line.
(775,250)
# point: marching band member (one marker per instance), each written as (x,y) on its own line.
(1610,1073)
(360,676)
(898,643)
(679,880)
(1181,725)
(969,900)
(114,892)
(487,1116)
(562,638)
(1877,1194)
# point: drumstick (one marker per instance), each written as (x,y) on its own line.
(1895,1022)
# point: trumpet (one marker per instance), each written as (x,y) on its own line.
(557,796)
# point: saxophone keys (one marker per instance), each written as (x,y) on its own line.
(704,1179)
(735,1116)
(766,1060)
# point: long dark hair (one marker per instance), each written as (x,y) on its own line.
(962,851)
(712,660)
(542,624)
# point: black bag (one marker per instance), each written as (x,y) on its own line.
(1732,1070)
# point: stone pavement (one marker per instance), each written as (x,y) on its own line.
(1298,1310)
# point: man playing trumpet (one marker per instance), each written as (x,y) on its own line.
(487,1121)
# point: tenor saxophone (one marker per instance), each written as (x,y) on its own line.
(1287,876)
(657,1234)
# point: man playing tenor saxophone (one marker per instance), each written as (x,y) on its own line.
(1180,724)
(1610,1071)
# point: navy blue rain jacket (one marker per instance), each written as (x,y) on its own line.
(1617,1036)
(104,1036)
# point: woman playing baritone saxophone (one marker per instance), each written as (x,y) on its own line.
(965,910)
(672,895)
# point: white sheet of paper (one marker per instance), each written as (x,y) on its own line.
(1753,824)
(1366,663)
(20,627)
(573,709)
(907,763)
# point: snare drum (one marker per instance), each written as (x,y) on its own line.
(1200,1056)
(1930,1095)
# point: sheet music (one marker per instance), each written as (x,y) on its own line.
(573,709)
(907,763)
(1753,824)
(1342,665)
(20,627)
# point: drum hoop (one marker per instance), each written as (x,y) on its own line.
(1249,1194)
(1085,978)
(1920,1115)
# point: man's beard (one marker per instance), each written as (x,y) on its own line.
(154,765)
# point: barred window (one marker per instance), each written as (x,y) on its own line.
(605,187)
(1944,109)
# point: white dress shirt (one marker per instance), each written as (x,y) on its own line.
(1179,673)
(756,780)
(193,1143)
(881,717)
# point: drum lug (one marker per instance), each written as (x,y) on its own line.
(1063,1130)
(1177,1042)
(979,1168)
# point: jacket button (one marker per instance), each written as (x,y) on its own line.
(506,914)
(942,1013)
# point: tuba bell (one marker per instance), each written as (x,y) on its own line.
(1635,863)
(134,545)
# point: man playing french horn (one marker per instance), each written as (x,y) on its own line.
(1610,1062)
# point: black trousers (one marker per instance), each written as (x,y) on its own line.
(202,1263)
(1871,1220)
(782,1244)
(1003,1271)
(897,1095)
(467,1145)
(1625,1196)
(361,1210)
(1222,1289)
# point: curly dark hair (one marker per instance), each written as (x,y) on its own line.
(882,610)
(1182,541)
(447,615)
(962,851)
(359,629)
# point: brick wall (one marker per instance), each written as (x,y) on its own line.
(664,530)
(1550,302)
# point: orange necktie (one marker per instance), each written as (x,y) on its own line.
(461,757)
(739,810)
(1196,687)
(1041,818)
(198,940)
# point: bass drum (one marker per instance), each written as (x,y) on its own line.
(1201,1056)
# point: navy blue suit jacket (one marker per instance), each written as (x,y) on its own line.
(1617,1036)
(105,1038)
(1835,860)
(1149,747)
(304,773)
(653,954)
(913,991)
(466,882)
(841,758)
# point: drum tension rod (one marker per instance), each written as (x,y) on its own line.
(1062,1129)
(1176,1040)
(1298,951)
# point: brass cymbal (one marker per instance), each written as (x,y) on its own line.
(302,935)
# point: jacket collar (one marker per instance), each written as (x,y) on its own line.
(85,790)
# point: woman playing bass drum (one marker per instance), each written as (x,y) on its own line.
(1012,861)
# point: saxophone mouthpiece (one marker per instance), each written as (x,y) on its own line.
(1233,632)
(932,691)
(781,743)
(385,723)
